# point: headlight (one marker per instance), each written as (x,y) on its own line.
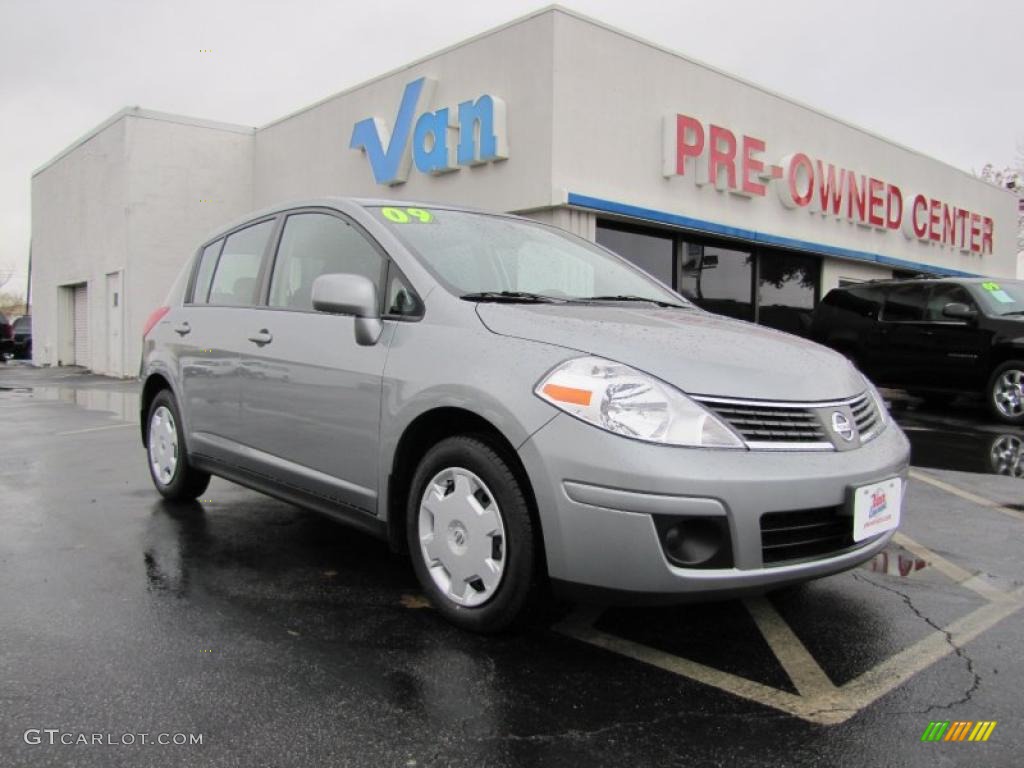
(625,401)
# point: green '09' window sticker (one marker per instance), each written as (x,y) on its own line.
(406,215)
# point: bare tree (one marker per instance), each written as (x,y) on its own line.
(1011,177)
(6,273)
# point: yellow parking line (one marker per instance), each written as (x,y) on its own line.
(974,498)
(950,570)
(97,429)
(807,675)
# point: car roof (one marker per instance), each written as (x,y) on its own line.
(887,282)
(342,203)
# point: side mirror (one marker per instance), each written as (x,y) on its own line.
(351,295)
(959,311)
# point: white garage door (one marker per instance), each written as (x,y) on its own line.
(81,324)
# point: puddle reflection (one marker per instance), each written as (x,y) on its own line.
(124,405)
(896,562)
(991,453)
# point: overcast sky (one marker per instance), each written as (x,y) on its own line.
(942,78)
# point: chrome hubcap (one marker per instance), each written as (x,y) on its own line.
(1008,393)
(462,536)
(1008,456)
(163,445)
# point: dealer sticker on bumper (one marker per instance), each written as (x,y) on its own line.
(876,508)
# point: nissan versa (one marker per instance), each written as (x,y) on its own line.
(512,404)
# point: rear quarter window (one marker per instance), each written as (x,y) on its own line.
(862,301)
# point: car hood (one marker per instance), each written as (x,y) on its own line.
(701,353)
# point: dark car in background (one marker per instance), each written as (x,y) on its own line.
(6,338)
(935,338)
(21,340)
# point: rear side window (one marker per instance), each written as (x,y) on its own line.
(207,263)
(235,280)
(315,244)
(905,303)
(862,301)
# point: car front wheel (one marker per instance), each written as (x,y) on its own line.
(471,536)
(1006,392)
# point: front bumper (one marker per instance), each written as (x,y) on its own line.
(597,494)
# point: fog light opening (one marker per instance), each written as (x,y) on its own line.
(695,542)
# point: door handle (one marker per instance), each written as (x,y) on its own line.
(183,329)
(261,338)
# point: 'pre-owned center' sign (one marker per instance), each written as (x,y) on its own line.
(713,155)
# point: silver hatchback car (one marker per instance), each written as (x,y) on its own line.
(515,407)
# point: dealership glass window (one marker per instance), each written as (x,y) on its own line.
(201,291)
(649,251)
(235,280)
(718,279)
(315,244)
(787,286)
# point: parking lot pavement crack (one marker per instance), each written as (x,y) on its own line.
(959,650)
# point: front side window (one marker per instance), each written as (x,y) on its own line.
(473,253)
(236,278)
(905,304)
(315,244)
(941,295)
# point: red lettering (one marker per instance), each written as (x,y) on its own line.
(875,201)
(719,158)
(830,193)
(920,227)
(689,141)
(893,207)
(948,224)
(800,174)
(752,166)
(934,216)
(855,198)
(961,216)
(975,233)
(986,234)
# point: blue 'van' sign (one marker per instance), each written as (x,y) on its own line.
(441,141)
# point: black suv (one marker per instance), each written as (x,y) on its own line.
(934,338)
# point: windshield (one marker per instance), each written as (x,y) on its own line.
(1002,297)
(474,254)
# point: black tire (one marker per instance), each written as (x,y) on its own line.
(186,483)
(992,393)
(517,591)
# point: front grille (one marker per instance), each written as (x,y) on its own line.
(792,536)
(774,423)
(793,426)
(866,416)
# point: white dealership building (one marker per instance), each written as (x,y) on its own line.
(752,203)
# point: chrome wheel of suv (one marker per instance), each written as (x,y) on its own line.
(163,445)
(1008,393)
(462,536)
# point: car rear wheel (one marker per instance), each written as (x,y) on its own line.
(1006,392)
(172,474)
(471,536)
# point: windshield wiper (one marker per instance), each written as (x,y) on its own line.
(512,297)
(629,297)
(1014,312)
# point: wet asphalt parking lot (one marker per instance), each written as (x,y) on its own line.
(285,639)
